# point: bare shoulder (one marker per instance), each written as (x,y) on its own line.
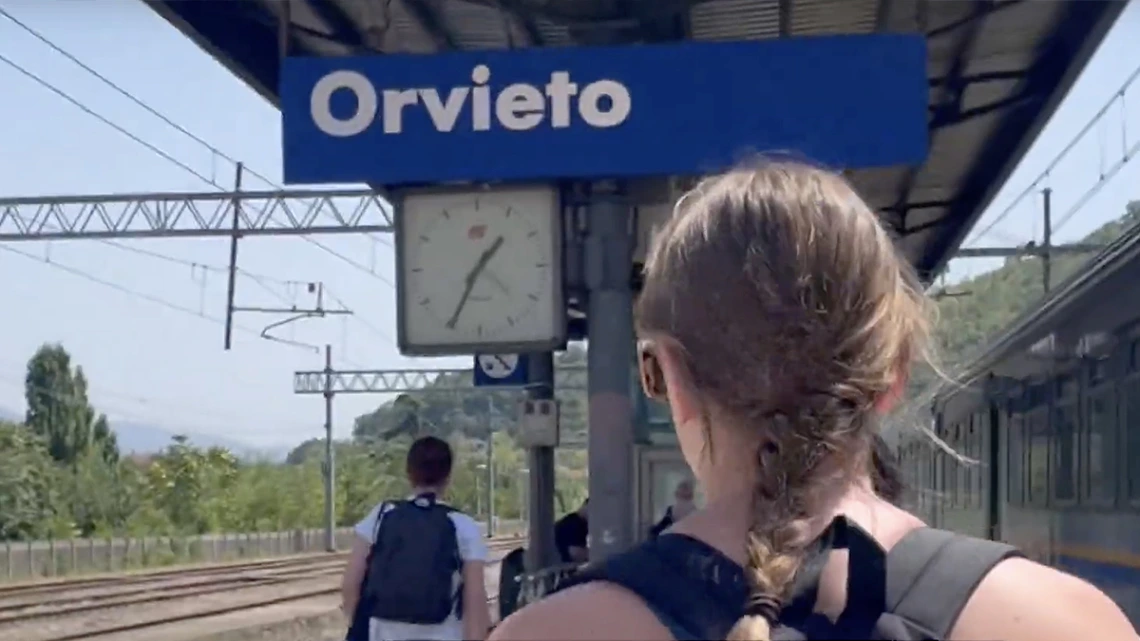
(1021,600)
(592,612)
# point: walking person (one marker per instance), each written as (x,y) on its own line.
(572,534)
(681,507)
(417,567)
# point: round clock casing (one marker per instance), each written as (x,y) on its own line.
(479,271)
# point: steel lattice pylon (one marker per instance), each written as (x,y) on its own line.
(393,381)
(165,215)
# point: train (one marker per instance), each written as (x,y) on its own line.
(1043,432)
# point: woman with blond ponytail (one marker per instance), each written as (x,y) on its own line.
(778,322)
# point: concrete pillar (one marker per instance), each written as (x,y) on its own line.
(608,254)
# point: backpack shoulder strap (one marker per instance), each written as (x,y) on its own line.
(931,574)
(644,573)
(678,581)
(385,507)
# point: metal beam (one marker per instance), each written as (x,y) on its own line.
(533,33)
(1031,250)
(185,215)
(433,26)
(338,22)
(1077,32)
(397,381)
(951,90)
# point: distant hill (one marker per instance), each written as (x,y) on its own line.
(146,439)
(138,438)
(998,298)
(989,302)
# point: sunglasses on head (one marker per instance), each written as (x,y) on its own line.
(649,367)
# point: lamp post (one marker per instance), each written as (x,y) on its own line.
(490,490)
(523,496)
(478,495)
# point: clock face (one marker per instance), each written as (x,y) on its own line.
(479,270)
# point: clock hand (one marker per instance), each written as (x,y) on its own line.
(496,281)
(501,361)
(471,278)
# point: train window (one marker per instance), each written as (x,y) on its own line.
(919,483)
(1066,385)
(1134,355)
(915,467)
(1065,453)
(977,432)
(1037,457)
(960,469)
(1098,371)
(949,480)
(971,469)
(1132,436)
(966,476)
(1100,448)
(1016,470)
(928,490)
(944,496)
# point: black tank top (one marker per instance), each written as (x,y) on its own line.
(914,592)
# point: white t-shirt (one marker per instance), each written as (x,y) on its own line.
(472,547)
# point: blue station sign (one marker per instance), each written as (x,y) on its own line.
(592,112)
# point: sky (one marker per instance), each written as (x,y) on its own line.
(153,364)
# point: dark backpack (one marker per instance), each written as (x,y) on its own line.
(412,565)
(511,571)
(913,593)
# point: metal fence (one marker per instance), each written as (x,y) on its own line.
(537,585)
(23,560)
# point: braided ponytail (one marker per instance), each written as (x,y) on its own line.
(790,469)
(795,314)
(772,563)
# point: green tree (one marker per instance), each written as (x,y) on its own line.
(29,501)
(192,486)
(105,440)
(103,495)
(59,411)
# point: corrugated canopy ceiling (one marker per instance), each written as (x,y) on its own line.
(997,69)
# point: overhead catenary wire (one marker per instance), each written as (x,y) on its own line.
(126,290)
(158,403)
(375,330)
(166,156)
(150,297)
(1044,175)
(145,106)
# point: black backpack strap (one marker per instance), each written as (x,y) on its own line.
(931,575)
(682,602)
(385,507)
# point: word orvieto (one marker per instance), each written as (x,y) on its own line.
(518,107)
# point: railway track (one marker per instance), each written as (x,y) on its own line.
(106,608)
(53,586)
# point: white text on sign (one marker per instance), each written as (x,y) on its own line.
(518,107)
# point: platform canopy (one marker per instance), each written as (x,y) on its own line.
(997,69)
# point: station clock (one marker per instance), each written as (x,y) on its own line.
(480,271)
